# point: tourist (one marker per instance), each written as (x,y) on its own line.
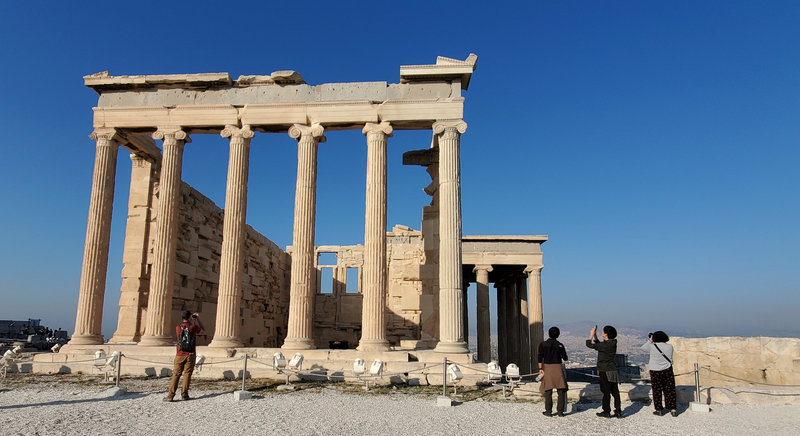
(609,377)
(551,356)
(185,355)
(662,377)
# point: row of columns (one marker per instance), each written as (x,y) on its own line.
(519,316)
(299,335)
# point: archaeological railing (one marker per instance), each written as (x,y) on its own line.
(133,111)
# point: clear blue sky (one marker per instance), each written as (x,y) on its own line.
(656,143)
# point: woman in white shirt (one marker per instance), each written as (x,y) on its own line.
(661,376)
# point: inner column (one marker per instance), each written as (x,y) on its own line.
(301,293)
(228,328)
(502,337)
(512,320)
(522,308)
(483,322)
(159,304)
(451,332)
(373,325)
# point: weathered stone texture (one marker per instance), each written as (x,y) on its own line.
(762,360)
(265,299)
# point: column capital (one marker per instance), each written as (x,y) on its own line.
(231,131)
(536,269)
(372,128)
(106,133)
(298,131)
(170,132)
(487,268)
(441,126)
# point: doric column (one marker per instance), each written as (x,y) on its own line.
(89,317)
(483,323)
(451,332)
(373,325)
(226,333)
(301,293)
(159,305)
(535,318)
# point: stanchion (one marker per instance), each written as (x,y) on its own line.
(697,406)
(119,370)
(243,394)
(443,400)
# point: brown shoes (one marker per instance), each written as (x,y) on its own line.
(167,399)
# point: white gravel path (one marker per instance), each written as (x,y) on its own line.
(87,410)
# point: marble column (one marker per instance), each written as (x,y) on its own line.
(535,318)
(159,329)
(483,323)
(448,135)
(512,321)
(135,284)
(302,289)
(502,336)
(524,344)
(89,317)
(228,325)
(373,324)
(465,310)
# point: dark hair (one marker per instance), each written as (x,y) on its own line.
(610,331)
(554,332)
(186,314)
(660,336)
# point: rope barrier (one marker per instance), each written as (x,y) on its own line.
(148,361)
(707,368)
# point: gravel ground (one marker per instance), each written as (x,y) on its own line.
(32,404)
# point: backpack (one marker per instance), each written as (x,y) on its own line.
(186,340)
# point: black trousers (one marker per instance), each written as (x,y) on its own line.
(608,388)
(561,407)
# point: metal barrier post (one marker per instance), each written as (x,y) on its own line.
(244,371)
(444,377)
(697,382)
(119,370)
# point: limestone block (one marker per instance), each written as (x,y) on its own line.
(185,269)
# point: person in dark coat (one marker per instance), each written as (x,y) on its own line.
(551,355)
(609,377)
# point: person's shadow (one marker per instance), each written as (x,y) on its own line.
(634,407)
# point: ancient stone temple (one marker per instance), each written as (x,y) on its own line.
(401,290)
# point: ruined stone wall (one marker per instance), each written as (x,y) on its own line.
(265,290)
(337,315)
(760,359)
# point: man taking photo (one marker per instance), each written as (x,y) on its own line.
(186,354)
